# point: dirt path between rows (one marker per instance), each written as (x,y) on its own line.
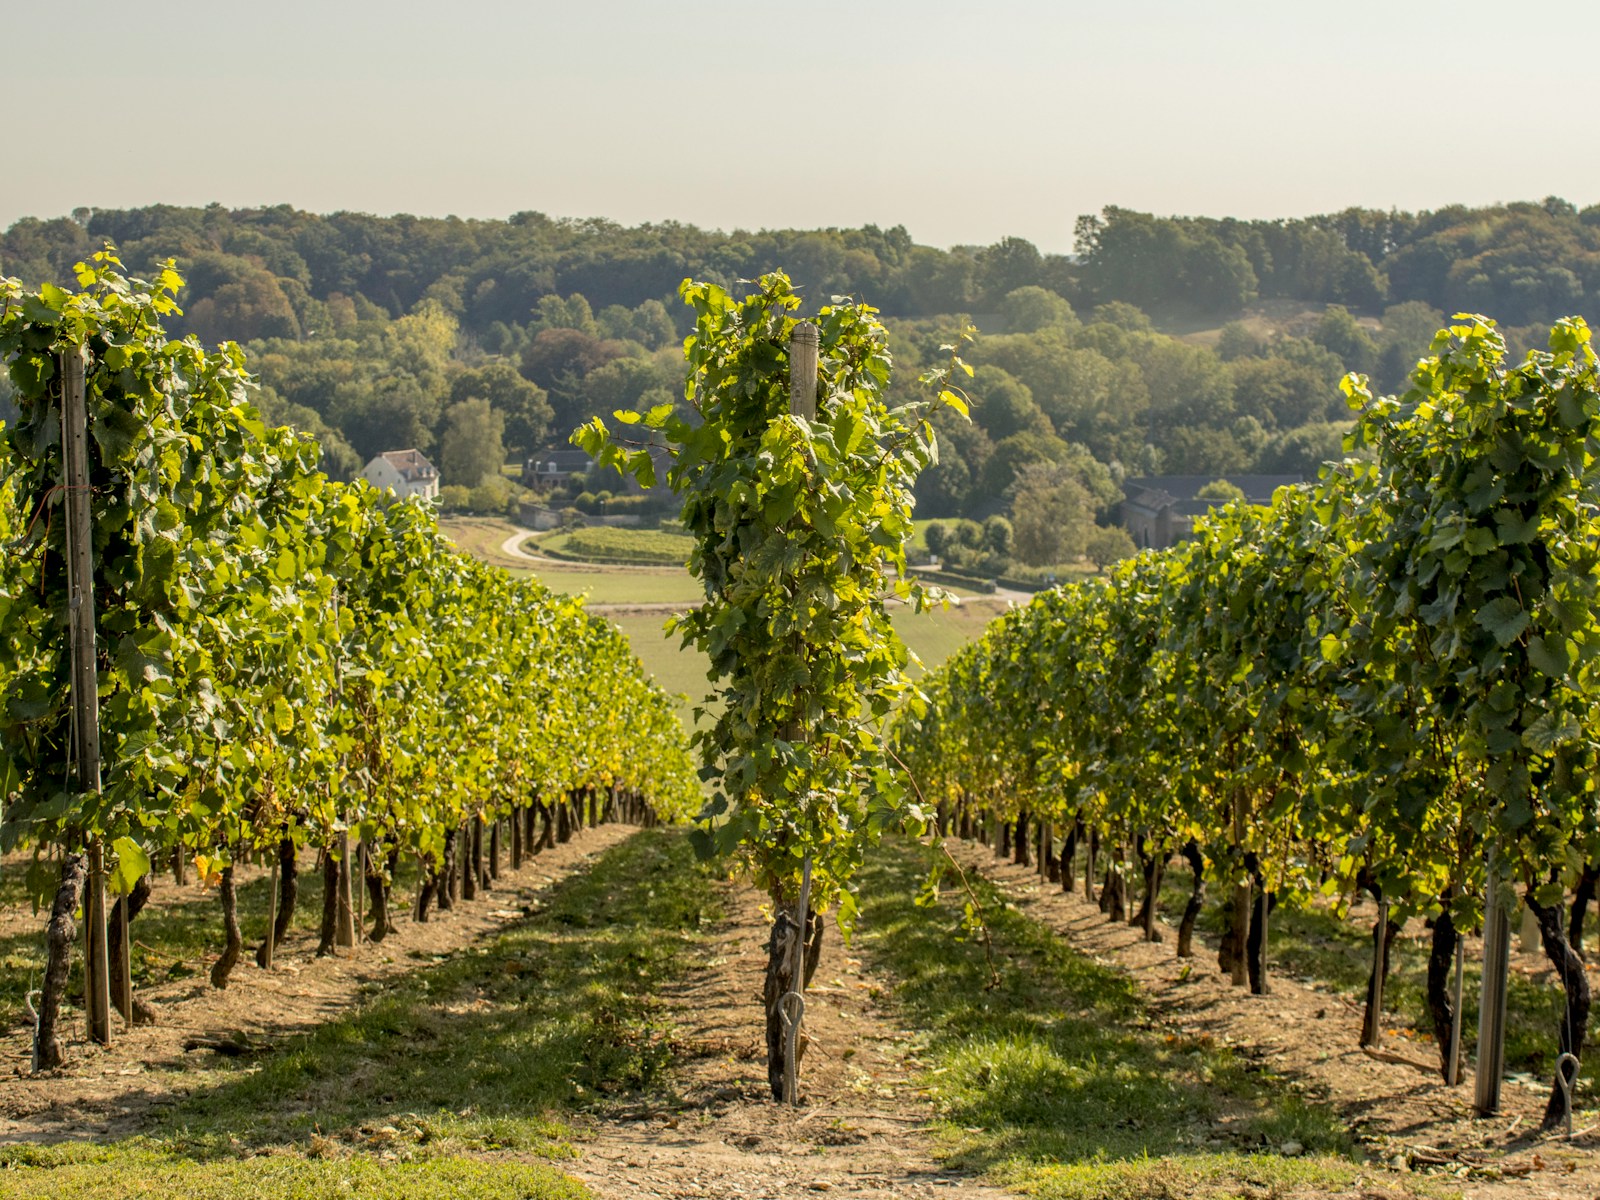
(109,1091)
(1406,1119)
(861,1130)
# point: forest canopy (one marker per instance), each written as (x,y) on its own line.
(1180,345)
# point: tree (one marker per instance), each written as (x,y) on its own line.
(1281,393)
(1051,514)
(1407,333)
(524,406)
(935,536)
(1343,334)
(1030,309)
(1009,264)
(1221,491)
(1109,544)
(997,536)
(471,448)
(1004,406)
(1238,340)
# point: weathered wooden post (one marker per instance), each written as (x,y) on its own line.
(804,355)
(85,681)
(344,929)
(1492,999)
(272,916)
(1372,1031)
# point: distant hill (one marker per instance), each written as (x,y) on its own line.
(1167,345)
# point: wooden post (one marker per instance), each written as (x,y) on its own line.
(97,966)
(803,355)
(344,930)
(272,917)
(124,980)
(1492,999)
(1373,1031)
(358,885)
(1454,1077)
(804,343)
(85,681)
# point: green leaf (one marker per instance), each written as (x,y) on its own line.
(1504,619)
(131,865)
(1514,530)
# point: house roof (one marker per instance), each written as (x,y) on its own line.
(411,464)
(1157,491)
(566,460)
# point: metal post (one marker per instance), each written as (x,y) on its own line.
(1492,999)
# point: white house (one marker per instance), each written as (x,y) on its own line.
(403,472)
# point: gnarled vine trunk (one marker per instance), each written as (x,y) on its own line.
(288,895)
(779,982)
(1197,899)
(233,943)
(1574,1027)
(378,894)
(1152,866)
(117,953)
(1441,1004)
(1582,897)
(60,934)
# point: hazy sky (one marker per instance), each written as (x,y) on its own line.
(964,122)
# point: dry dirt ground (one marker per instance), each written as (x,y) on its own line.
(1406,1117)
(106,1091)
(860,1130)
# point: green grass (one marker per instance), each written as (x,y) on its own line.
(1316,945)
(938,633)
(1059,1082)
(128,1172)
(446,1078)
(605,543)
(621,585)
(934,635)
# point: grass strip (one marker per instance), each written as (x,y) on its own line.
(129,1173)
(1060,1083)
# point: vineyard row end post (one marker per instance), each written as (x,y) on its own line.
(804,355)
(85,681)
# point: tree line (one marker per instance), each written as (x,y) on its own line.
(478,341)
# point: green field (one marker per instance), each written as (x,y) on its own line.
(607,544)
(933,636)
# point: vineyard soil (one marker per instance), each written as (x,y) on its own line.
(112,1092)
(1403,1120)
(862,1130)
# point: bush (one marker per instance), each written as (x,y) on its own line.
(1108,544)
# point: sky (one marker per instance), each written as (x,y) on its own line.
(963,122)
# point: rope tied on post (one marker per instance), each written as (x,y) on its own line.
(1567,1084)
